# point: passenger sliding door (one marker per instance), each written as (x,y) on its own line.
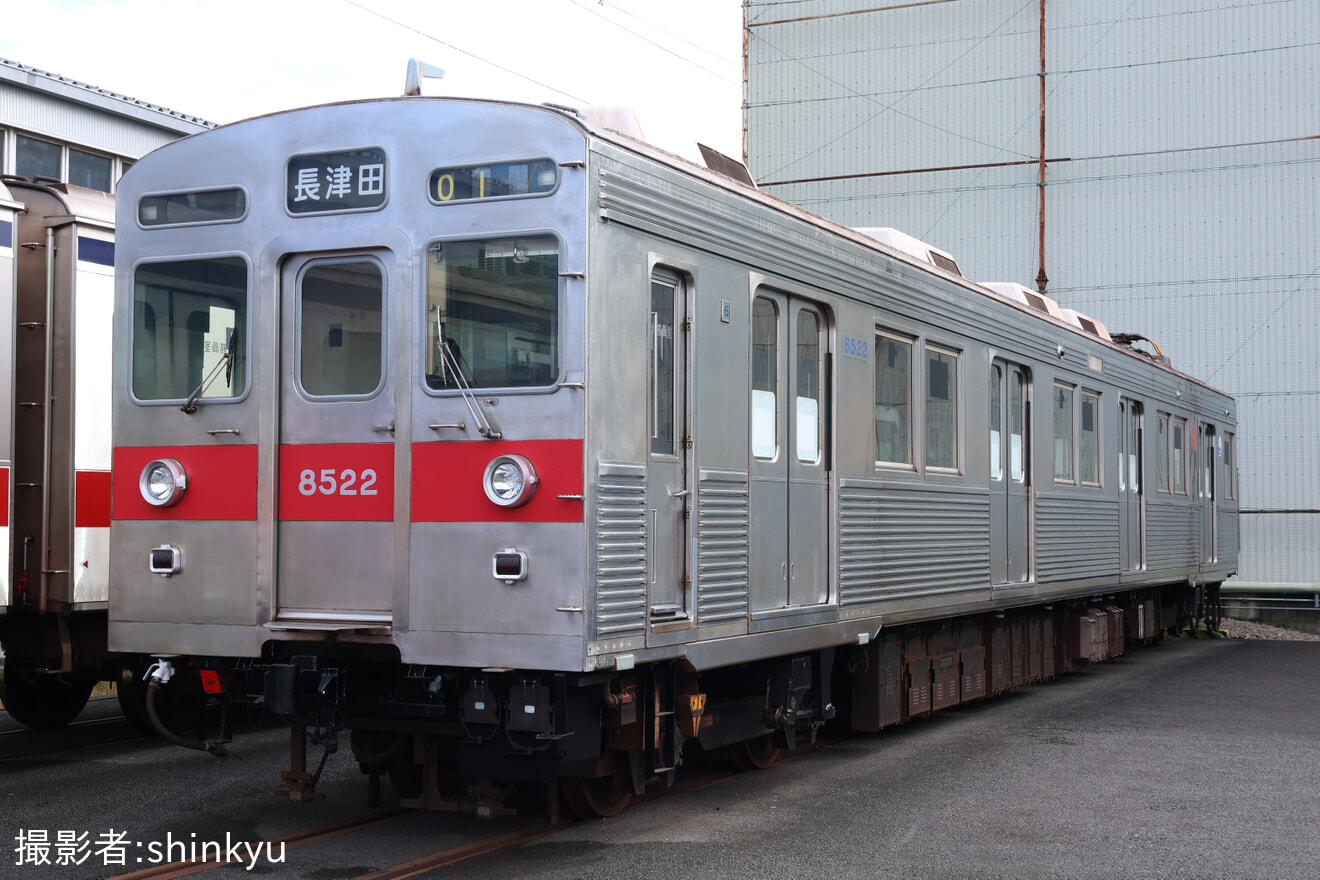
(336,443)
(789,470)
(668,494)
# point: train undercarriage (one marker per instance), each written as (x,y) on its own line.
(460,740)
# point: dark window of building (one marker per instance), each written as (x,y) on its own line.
(91,171)
(34,158)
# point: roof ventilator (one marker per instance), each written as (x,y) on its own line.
(913,247)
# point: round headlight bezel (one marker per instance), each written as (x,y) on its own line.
(498,471)
(178,484)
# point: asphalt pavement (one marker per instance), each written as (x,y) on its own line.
(1196,759)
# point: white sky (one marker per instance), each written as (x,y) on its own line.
(678,63)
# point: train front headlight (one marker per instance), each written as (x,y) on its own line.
(510,480)
(163,482)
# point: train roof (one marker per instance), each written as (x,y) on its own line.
(865,238)
(80,204)
(6,200)
(890,245)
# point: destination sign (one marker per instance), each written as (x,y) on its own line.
(507,180)
(346,180)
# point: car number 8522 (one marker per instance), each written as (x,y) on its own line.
(346,482)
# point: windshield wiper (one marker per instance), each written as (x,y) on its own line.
(449,364)
(226,361)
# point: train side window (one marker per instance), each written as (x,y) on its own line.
(941,409)
(1089,447)
(188,315)
(1180,456)
(893,399)
(494,305)
(1063,433)
(662,366)
(1017,426)
(996,456)
(341,328)
(765,377)
(1162,454)
(807,400)
(1230,470)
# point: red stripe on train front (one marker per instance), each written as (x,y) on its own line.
(91,499)
(222,483)
(4,497)
(447,481)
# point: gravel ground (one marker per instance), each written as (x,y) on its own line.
(1249,629)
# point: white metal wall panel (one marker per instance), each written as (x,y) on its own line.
(39,114)
(94,295)
(1180,189)
(889,90)
(975,214)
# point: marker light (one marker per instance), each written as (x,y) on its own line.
(163,482)
(510,481)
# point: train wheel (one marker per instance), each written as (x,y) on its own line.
(41,701)
(590,797)
(756,754)
(132,692)
(406,775)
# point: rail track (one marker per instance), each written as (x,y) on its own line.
(21,743)
(705,774)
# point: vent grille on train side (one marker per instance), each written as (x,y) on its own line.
(722,546)
(621,551)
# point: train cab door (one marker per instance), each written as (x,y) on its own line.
(1209,491)
(335,504)
(669,497)
(1010,475)
(1131,485)
(789,471)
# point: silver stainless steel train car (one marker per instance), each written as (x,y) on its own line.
(56,299)
(526,451)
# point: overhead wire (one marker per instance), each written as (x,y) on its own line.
(1264,322)
(892,107)
(1122,16)
(718,57)
(461,51)
(1025,76)
(645,39)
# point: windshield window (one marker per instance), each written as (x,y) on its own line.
(494,304)
(186,316)
(340,316)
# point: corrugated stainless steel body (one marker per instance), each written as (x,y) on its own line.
(768,558)
(1178,192)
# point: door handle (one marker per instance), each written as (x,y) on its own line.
(683,494)
(384,429)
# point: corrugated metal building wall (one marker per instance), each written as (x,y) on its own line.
(60,120)
(1180,187)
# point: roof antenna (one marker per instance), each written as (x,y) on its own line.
(416,70)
